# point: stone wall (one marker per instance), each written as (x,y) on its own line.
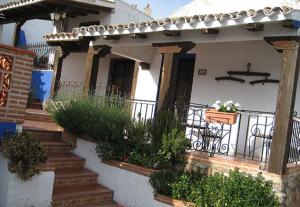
(15,71)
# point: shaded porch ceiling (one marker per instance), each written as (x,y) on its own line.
(22,10)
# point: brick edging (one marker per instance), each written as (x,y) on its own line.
(130,167)
(172,202)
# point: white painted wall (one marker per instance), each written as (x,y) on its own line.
(73,67)
(7,34)
(130,189)
(218,58)
(16,193)
(148,79)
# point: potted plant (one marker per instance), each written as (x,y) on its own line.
(225,113)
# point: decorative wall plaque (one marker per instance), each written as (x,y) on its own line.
(6,65)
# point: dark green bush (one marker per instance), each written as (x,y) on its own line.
(160,143)
(238,189)
(173,148)
(24,153)
(162,181)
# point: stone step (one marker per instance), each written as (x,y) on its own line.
(35,105)
(41,126)
(66,160)
(108,204)
(81,195)
(38,115)
(56,147)
(75,177)
(46,136)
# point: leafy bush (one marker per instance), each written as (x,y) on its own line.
(162,181)
(160,143)
(100,119)
(173,148)
(25,154)
(238,189)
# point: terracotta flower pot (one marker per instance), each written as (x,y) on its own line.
(215,116)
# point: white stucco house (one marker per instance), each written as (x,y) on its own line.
(202,53)
(245,51)
(104,12)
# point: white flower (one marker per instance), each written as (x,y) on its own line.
(216,106)
(218,102)
(237,105)
(228,103)
(228,108)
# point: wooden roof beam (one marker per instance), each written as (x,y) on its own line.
(171,33)
(111,37)
(255,27)
(210,31)
(137,35)
(174,47)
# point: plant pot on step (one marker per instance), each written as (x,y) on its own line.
(215,116)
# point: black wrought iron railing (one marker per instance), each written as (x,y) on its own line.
(294,154)
(44,58)
(249,138)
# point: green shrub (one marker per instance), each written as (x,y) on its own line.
(183,187)
(163,124)
(160,144)
(25,154)
(238,189)
(162,181)
(100,119)
(173,148)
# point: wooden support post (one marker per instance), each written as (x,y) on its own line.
(60,55)
(167,82)
(92,66)
(285,106)
(168,77)
(17,33)
(135,79)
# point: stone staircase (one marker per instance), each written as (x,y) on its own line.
(74,185)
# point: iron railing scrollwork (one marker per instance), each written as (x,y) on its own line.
(44,58)
(294,153)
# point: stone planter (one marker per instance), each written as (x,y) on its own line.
(215,116)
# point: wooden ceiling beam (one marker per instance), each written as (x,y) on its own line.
(255,27)
(136,36)
(210,31)
(111,37)
(174,47)
(171,33)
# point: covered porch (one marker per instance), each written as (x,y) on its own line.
(188,69)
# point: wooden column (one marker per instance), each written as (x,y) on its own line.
(18,27)
(135,79)
(60,55)
(92,66)
(285,106)
(168,75)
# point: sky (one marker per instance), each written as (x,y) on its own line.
(160,8)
